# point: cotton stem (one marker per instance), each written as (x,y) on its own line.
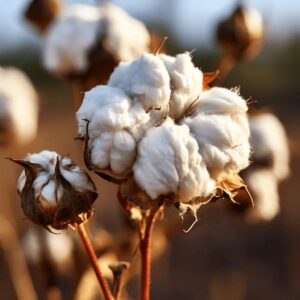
(94,262)
(145,248)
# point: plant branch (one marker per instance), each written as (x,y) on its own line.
(94,262)
(145,248)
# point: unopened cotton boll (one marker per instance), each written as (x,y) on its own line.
(18,107)
(269,143)
(263,186)
(54,191)
(186,82)
(221,129)
(169,162)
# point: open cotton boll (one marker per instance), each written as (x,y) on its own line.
(70,37)
(263,186)
(126,38)
(269,142)
(54,191)
(19,107)
(186,82)
(169,162)
(145,80)
(222,131)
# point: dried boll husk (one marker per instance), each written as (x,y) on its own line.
(241,34)
(55,193)
(41,13)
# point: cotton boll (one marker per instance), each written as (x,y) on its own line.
(169,162)
(221,131)
(55,192)
(70,37)
(186,81)
(145,79)
(126,38)
(18,106)
(269,142)
(263,185)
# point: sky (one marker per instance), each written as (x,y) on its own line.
(192,21)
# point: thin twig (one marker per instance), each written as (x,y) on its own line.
(145,248)
(93,259)
(119,271)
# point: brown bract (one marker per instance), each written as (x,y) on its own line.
(72,208)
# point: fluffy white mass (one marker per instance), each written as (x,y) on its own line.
(18,107)
(154,121)
(46,186)
(79,27)
(220,126)
(168,161)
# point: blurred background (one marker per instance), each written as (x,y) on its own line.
(223,257)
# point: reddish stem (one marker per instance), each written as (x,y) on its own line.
(94,262)
(145,248)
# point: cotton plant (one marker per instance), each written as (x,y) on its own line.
(17,127)
(158,131)
(270,164)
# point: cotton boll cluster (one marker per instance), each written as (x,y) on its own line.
(79,29)
(18,107)
(175,139)
(270,164)
(54,191)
